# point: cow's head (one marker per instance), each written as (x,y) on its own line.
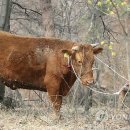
(82,58)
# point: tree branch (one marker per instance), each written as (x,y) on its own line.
(108,30)
(119,18)
(26,9)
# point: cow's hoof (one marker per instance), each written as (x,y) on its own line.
(56,118)
(59,117)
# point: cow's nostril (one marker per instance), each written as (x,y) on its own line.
(91,82)
(86,82)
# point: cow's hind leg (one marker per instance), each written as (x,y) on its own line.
(65,90)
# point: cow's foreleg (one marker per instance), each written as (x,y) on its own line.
(56,100)
(53,89)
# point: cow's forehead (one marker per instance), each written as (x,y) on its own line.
(85,52)
(88,48)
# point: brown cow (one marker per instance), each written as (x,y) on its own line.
(44,64)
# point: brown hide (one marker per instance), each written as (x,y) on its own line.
(23,60)
(39,64)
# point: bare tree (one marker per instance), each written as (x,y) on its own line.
(5,11)
(5,15)
(47,18)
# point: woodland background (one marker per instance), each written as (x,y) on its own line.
(106,22)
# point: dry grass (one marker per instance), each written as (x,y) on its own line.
(39,118)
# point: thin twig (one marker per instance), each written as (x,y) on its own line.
(119,18)
(26,9)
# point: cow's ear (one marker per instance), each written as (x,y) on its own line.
(67,52)
(97,50)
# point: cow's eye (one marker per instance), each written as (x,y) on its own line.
(79,62)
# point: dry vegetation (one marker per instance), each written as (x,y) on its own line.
(78,20)
(32,118)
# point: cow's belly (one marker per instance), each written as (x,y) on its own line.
(25,78)
(16,73)
(15,84)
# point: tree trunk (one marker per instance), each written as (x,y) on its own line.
(5,11)
(47,18)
